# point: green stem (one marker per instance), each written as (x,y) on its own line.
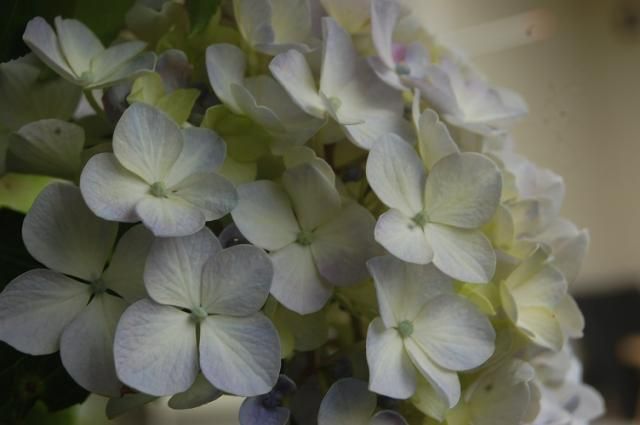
(88,93)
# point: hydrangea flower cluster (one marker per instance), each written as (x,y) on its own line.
(313,204)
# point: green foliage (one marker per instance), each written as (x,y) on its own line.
(200,12)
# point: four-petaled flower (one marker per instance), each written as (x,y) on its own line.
(77,55)
(436,218)
(316,240)
(424,329)
(203,315)
(75,304)
(349,91)
(159,174)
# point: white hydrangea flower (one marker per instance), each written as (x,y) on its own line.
(72,306)
(315,239)
(275,26)
(159,174)
(566,400)
(349,402)
(196,288)
(259,98)
(349,91)
(436,218)
(452,85)
(503,395)
(535,298)
(424,329)
(569,246)
(77,55)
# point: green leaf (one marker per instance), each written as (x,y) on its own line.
(200,12)
(18,191)
(178,103)
(246,141)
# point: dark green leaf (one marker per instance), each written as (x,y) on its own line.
(200,12)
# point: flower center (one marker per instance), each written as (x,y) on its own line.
(405,328)
(305,238)
(98,286)
(159,190)
(198,314)
(402,68)
(420,219)
(335,103)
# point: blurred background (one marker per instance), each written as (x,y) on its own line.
(577,64)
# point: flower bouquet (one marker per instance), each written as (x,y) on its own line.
(312,204)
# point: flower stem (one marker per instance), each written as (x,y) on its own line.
(88,93)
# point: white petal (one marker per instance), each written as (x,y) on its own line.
(445,382)
(315,200)
(35,308)
(569,254)
(292,71)
(384,15)
(399,235)
(254,20)
(570,317)
(78,44)
(200,393)
(296,281)
(247,97)
(375,124)
(434,140)
(465,255)
(342,246)
(225,66)
(41,39)
(203,151)
(240,355)
(129,70)
(170,217)
(64,235)
(545,288)
(106,63)
(214,195)
(126,268)
(110,190)
(236,281)
(498,397)
(348,402)
(173,273)
(453,333)
(339,58)
(352,15)
(463,190)
(387,417)
(86,347)
(396,174)
(147,142)
(51,147)
(155,349)
(390,370)
(542,326)
(264,215)
(291,21)
(403,289)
